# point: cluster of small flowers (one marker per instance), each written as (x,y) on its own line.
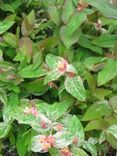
(31,110)
(47,142)
(63,67)
(81,6)
(66,152)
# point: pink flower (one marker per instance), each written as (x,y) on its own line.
(75,141)
(31,110)
(65,152)
(43,124)
(59,127)
(47,142)
(71,74)
(62,66)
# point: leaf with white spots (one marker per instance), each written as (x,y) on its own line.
(74,86)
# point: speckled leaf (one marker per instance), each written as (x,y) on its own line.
(4,129)
(52,76)
(56,110)
(74,86)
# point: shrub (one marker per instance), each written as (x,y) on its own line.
(58,77)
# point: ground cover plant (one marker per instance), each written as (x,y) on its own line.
(58,78)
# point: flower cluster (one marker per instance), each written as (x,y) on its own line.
(64,67)
(31,110)
(81,6)
(47,142)
(66,152)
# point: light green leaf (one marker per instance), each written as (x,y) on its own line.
(108,73)
(104,7)
(78,152)
(68,10)
(23,142)
(86,43)
(105,40)
(68,40)
(37,59)
(3,96)
(52,76)
(113,102)
(101,93)
(74,86)
(5,25)
(11,40)
(97,110)
(90,62)
(76,129)
(7,7)
(56,110)
(52,60)
(28,72)
(112,140)
(75,22)
(36,87)
(90,148)
(54,14)
(112,130)
(4,129)
(99,124)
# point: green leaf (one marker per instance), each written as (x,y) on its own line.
(68,40)
(25,48)
(37,59)
(101,93)
(90,62)
(74,86)
(68,10)
(105,40)
(4,129)
(97,110)
(112,140)
(85,42)
(5,25)
(11,40)
(113,102)
(23,142)
(112,130)
(99,124)
(76,129)
(7,7)
(28,72)
(108,73)
(36,146)
(78,152)
(56,110)
(54,152)
(36,87)
(3,96)
(11,105)
(52,60)
(75,22)
(90,148)
(54,14)
(52,76)
(104,7)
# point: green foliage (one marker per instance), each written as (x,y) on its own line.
(58,77)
